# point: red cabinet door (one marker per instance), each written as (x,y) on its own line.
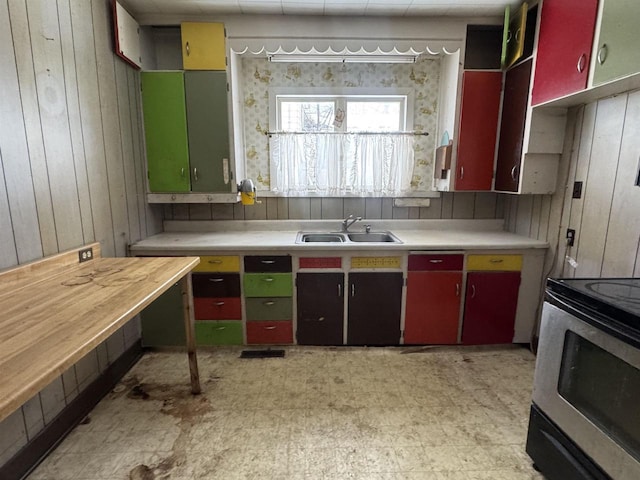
(490,307)
(432,308)
(564,48)
(479,112)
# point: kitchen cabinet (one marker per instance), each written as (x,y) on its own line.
(617,54)
(269,333)
(320,312)
(512,126)
(491,299)
(374,308)
(163,320)
(564,54)
(479,117)
(516,36)
(186,131)
(224,332)
(203,46)
(165,128)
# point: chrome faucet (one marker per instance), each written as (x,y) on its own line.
(347,222)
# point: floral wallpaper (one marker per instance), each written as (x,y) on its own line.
(258,75)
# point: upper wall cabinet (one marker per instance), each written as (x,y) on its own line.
(203,46)
(516,36)
(617,53)
(564,54)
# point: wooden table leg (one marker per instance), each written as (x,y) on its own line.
(190,330)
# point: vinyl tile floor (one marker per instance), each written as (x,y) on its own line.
(319,413)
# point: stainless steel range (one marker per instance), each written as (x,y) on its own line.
(585,416)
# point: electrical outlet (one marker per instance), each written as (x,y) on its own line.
(577,190)
(571,237)
(85,254)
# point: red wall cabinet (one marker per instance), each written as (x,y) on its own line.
(564,54)
(479,114)
(490,307)
(432,308)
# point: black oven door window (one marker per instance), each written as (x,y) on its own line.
(604,388)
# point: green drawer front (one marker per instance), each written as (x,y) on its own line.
(222,332)
(268,285)
(277,308)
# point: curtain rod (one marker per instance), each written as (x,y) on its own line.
(358,133)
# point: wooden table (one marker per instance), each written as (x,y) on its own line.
(56,310)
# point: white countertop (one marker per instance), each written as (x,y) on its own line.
(198,237)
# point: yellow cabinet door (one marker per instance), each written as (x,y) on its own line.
(203,46)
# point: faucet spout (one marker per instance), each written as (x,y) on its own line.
(347,222)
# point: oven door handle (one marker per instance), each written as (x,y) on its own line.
(606,324)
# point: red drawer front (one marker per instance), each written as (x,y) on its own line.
(217,308)
(321,262)
(269,332)
(435,262)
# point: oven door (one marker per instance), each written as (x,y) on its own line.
(588,383)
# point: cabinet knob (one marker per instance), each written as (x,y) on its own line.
(582,62)
(188,49)
(602,53)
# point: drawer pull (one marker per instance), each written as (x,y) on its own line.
(514,173)
(219,304)
(339,290)
(473,291)
(268,262)
(270,328)
(217,262)
(221,328)
(457,289)
(268,279)
(496,260)
(321,319)
(216,280)
(269,303)
(353,289)
(188,49)
(436,261)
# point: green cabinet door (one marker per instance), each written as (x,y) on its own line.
(617,52)
(163,320)
(208,127)
(165,126)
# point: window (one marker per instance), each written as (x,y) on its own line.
(341,144)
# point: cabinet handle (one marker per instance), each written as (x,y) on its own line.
(182,172)
(582,62)
(321,319)
(457,289)
(518,33)
(217,262)
(473,291)
(353,289)
(602,53)
(461,172)
(221,328)
(436,261)
(339,290)
(219,304)
(216,280)
(195,174)
(268,279)
(267,262)
(269,303)
(188,49)
(496,260)
(514,173)
(270,328)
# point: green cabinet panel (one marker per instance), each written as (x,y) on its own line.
(267,285)
(218,332)
(617,52)
(208,130)
(277,308)
(165,126)
(163,320)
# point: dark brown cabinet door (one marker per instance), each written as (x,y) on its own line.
(375,302)
(514,111)
(320,308)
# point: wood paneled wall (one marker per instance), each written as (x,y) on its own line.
(449,205)
(602,150)
(71,163)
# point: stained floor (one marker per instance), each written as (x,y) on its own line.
(316,414)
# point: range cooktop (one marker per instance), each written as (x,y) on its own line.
(616,298)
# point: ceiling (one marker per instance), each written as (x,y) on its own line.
(400,8)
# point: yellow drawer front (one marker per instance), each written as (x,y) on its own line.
(203,46)
(508,263)
(375,262)
(218,263)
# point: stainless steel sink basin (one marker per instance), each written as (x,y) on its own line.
(320,237)
(338,237)
(377,237)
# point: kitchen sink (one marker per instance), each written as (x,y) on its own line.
(339,237)
(377,237)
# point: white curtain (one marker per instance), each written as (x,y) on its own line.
(341,163)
